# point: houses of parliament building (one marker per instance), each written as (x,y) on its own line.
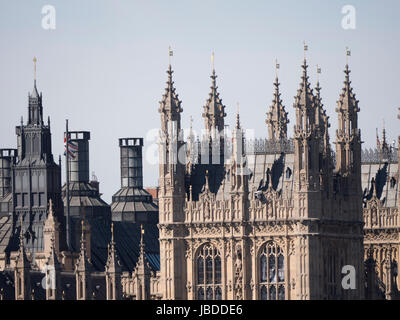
(276,218)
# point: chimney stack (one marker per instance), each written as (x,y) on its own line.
(131,162)
(79,164)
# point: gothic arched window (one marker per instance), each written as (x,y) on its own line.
(392,182)
(272,272)
(208,273)
(288,173)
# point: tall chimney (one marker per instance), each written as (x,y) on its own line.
(7,159)
(131,162)
(79,163)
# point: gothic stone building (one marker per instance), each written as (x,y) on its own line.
(279,218)
(106,243)
(276,218)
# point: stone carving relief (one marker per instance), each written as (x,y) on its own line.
(238,273)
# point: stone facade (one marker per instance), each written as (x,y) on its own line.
(280,218)
(275,219)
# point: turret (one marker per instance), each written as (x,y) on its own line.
(172,154)
(348,135)
(172,194)
(307,140)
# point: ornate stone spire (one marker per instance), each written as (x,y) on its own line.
(35,93)
(83,269)
(142,266)
(214,110)
(237,125)
(35,116)
(307,139)
(113,264)
(170,105)
(347,132)
(348,103)
(113,271)
(51,230)
(277,118)
(384,146)
(239,170)
(142,272)
(304,104)
(322,118)
(83,263)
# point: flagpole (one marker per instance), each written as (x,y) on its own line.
(67,184)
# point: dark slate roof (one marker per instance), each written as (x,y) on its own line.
(6,204)
(131,200)
(216,175)
(9,238)
(127,239)
(385,176)
(5,232)
(83,194)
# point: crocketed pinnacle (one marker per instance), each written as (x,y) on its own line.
(277,117)
(214,110)
(170,102)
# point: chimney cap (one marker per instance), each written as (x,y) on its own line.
(131,142)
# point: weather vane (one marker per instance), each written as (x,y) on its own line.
(212,60)
(305,48)
(348,54)
(277,66)
(318,72)
(170,54)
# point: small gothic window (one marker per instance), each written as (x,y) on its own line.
(392,182)
(272,272)
(288,173)
(209,273)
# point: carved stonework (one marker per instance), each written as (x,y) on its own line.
(238,273)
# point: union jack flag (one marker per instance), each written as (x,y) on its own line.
(72,148)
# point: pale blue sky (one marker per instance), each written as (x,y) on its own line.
(104,65)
